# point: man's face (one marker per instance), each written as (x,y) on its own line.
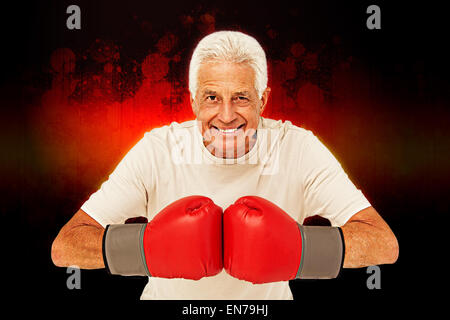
(228,107)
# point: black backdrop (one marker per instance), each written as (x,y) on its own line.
(408,58)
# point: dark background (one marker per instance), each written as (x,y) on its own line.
(383,110)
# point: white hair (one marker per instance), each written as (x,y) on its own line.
(229,46)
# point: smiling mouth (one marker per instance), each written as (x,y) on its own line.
(229,131)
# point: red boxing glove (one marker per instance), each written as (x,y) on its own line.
(184,240)
(263,244)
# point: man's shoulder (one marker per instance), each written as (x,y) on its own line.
(165,132)
(287,128)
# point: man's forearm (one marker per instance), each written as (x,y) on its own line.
(368,241)
(80,246)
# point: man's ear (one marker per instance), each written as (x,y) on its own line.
(193,106)
(264,99)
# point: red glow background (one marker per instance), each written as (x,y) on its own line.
(97,106)
(77,101)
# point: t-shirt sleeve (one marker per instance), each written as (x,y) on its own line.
(124,194)
(328,191)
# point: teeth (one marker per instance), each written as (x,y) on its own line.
(228,130)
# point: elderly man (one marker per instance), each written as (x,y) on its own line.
(225,196)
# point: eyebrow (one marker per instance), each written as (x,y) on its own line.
(209,92)
(242,93)
(238,93)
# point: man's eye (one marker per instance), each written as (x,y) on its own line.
(211,98)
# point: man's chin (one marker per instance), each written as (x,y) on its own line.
(232,152)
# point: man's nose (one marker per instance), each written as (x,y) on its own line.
(227,112)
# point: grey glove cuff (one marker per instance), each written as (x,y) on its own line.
(323,251)
(123,251)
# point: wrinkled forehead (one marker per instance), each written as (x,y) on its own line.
(238,77)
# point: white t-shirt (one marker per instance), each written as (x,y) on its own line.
(288,165)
